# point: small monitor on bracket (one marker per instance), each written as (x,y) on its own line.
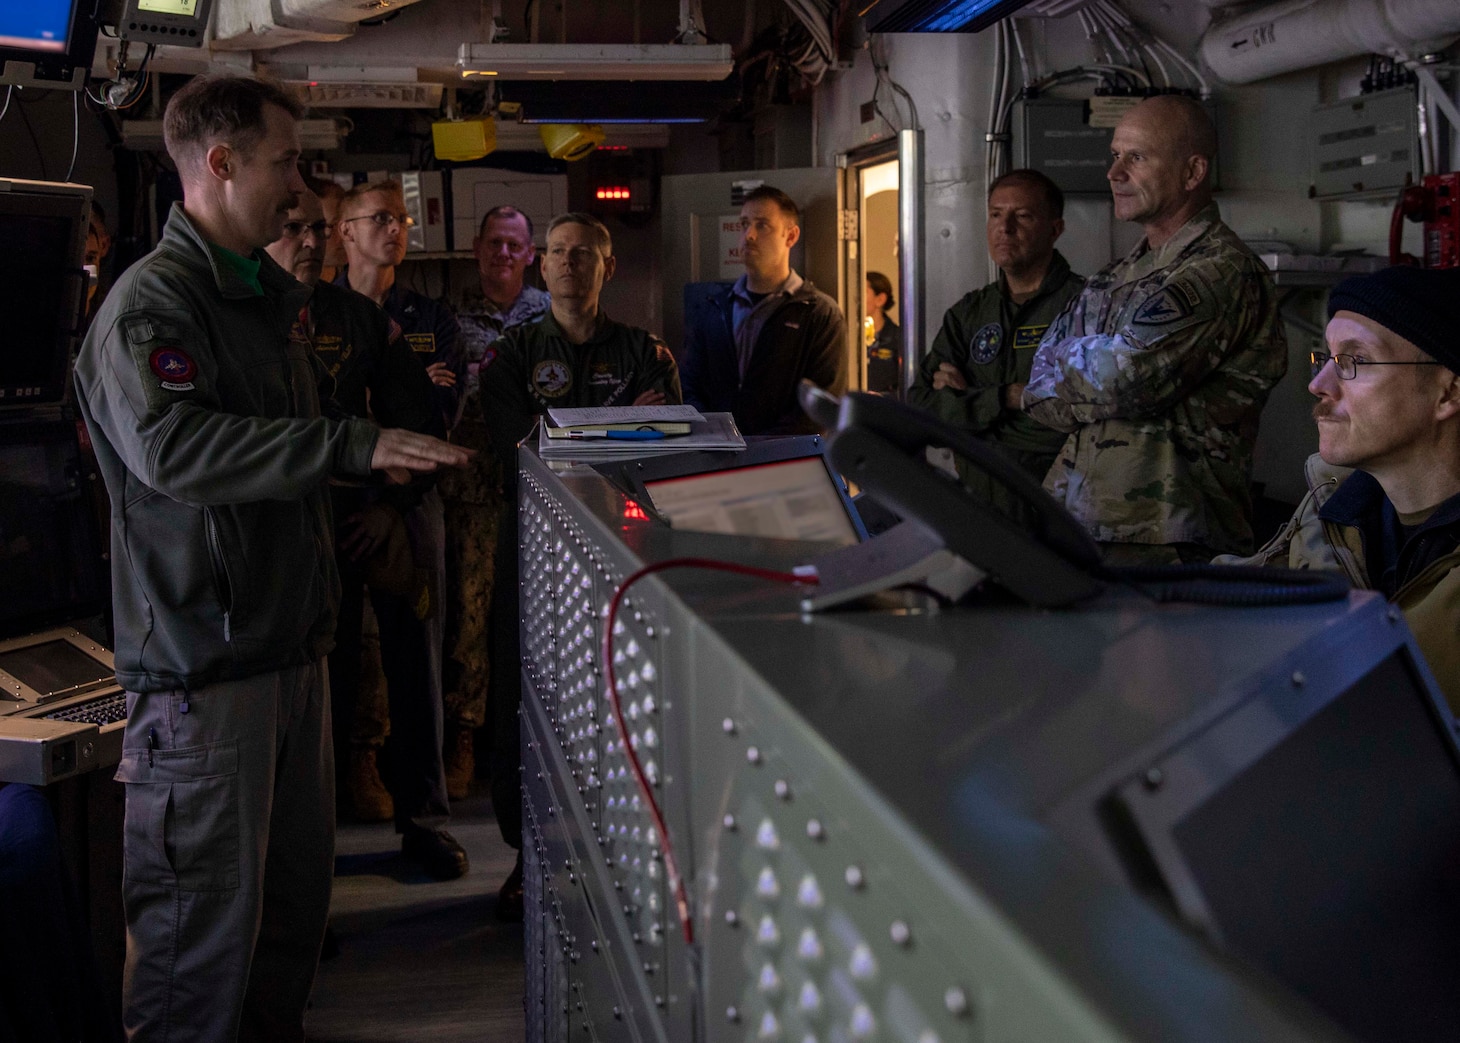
(1314,830)
(47,43)
(177,23)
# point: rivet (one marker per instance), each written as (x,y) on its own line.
(732,1014)
(753,755)
(814,829)
(732,918)
(900,932)
(728,725)
(783,789)
(855,879)
(729,823)
(956,1000)
(1154,777)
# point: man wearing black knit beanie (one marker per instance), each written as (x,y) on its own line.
(1384,505)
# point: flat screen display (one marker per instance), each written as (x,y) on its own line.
(789,499)
(37,25)
(1333,861)
(53,666)
(33,292)
(184,8)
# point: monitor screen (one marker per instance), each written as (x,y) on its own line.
(42,290)
(53,40)
(41,25)
(789,499)
(53,666)
(1333,860)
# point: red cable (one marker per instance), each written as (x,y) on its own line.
(676,882)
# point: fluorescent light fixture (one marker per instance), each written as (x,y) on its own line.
(936,16)
(573,61)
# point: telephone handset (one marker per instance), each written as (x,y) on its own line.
(1044,556)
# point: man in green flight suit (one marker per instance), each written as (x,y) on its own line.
(979,363)
(1159,370)
(575,356)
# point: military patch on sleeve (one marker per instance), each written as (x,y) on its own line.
(394,333)
(1174,303)
(1026,337)
(422,343)
(551,378)
(984,347)
(173,368)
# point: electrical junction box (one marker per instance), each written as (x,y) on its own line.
(475,190)
(1069,140)
(1365,145)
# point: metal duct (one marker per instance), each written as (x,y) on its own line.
(1300,34)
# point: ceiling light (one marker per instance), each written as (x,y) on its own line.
(574,61)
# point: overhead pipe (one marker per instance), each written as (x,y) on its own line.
(1300,34)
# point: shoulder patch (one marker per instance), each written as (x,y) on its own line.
(422,343)
(985,345)
(173,367)
(1174,303)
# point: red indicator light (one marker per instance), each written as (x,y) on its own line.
(633,512)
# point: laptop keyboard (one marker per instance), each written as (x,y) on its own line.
(106,709)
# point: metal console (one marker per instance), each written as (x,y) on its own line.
(890,821)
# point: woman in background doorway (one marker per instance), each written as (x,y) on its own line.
(880,335)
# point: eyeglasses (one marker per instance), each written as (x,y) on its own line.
(383,219)
(295,229)
(1348,365)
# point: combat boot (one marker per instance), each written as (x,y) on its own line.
(369,799)
(460,758)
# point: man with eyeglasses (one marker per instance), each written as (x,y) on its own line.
(1159,369)
(501,302)
(373,222)
(575,356)
(372,225)
(367,370)
(1384,499)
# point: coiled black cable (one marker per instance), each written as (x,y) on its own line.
(1238,586)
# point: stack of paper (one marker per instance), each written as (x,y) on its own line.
(635,431)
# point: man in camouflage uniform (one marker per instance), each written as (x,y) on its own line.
(979,363)
(575,356)
(1159,370)
(503,249)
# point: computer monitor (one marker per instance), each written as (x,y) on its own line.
(42,286)
(1316,835)
(777,487)
(46,43)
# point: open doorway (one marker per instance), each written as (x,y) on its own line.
(878,288)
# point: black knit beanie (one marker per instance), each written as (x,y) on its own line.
(1421,305)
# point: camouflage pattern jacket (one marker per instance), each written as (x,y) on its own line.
(1159,372)
(482,327)
(1430,598)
